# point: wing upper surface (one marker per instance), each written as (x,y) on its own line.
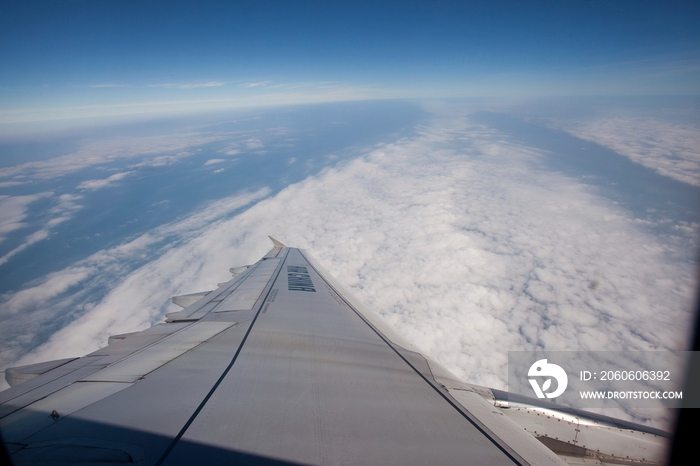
(277,365)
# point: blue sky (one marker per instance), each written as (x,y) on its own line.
(85,59)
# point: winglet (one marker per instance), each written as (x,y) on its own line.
(277,247)
(277,243)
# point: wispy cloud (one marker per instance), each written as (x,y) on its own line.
(257,84)
(100,86)
(246,144)
(29,240)
(152,150)
(213,161)
(103,183)
(13,210)
(189,85)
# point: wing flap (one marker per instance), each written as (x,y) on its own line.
(186,300)
(42,386)
(17,375)
(144,362)
(244,297)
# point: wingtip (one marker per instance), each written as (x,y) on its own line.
(277,243)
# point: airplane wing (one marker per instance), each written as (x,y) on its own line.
(279,365)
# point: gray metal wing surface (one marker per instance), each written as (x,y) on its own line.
(279,365)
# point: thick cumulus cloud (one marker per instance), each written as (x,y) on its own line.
(464,242)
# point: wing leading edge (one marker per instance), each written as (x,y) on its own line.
(279,365)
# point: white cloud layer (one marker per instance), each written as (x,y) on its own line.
(671,149)
(459,239)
